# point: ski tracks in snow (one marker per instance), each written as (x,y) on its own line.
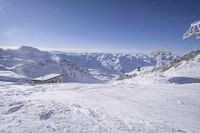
(38,109)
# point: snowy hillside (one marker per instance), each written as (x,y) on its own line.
(32,63)
(188,65)
(180,71)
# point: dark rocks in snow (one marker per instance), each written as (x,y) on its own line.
(126,76)
(46,115)
(14,109)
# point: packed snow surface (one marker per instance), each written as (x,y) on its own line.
(115,107)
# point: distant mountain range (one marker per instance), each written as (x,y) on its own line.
(32,63)
(77,67)
(107,65)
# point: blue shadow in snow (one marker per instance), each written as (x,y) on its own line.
(184,80)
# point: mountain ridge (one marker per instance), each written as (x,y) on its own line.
(89,66)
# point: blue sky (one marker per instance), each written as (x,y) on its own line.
(110,25)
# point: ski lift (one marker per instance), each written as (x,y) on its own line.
(194,30)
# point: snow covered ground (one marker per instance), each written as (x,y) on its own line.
(114,107)
(152,100)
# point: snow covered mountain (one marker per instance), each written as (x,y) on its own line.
(184,70)
(107,65)
(159,105)
(77,67)
(30,62)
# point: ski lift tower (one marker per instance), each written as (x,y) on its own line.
(194,30)
(159,55)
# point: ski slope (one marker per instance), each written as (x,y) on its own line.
(115,107)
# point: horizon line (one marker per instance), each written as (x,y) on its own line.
(80,50)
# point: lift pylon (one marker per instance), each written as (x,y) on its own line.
(194,30)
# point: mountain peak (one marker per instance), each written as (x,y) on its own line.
(28,48)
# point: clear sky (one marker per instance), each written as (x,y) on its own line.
(132,25)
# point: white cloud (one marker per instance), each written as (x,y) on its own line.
(81,50)
(73,50)
(9,46)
